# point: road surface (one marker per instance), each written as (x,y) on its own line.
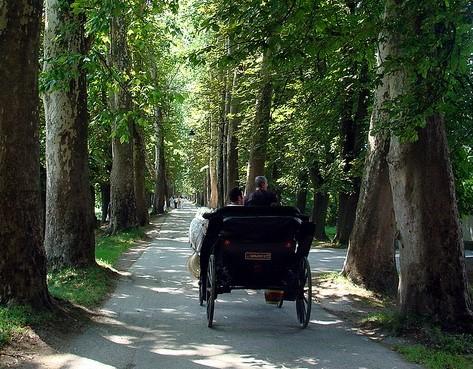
(153,321)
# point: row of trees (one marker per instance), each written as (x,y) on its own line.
(347,102)
(352,102)
(106,78)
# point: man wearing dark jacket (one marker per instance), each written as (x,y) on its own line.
(261,197)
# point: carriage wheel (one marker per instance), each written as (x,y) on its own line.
(210,290)
(304,295)
(201,291)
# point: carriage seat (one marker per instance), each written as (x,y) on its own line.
(246,224)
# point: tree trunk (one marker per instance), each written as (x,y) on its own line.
(301,199)
(22,256)
(370,257)
(301,196)
(221,146)
(433,277)
(160,165)
(259,139)
(213,162)
(69,237)
(123,203)
(347,212)
(234,120)
(139,166)
(319,215)
(105,195)
(213,198)
(321,201)
(353,126)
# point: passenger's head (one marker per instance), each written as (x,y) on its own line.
(236,196)
(261,182)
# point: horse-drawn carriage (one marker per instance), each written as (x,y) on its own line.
(257,248)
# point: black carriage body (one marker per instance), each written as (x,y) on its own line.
(257,248)
(261,248)
(257,252)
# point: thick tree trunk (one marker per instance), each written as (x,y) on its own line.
(347,202)
(321,201)
(301,196)
(213,198)
(139,166)
(123,203)
(207,188)
(213,163)
(160,165)
(301,199)
(22,256)
(259,139)
(433,279)
(353,126)
(232,141)
(105,196)
(69,237)
(371,256)
(319,215)
(221,146)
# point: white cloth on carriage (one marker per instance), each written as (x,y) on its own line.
(197,229)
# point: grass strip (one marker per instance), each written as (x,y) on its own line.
(434,358)
(14,320)
(82,286)
(89,286)
(108,249)
(435,349)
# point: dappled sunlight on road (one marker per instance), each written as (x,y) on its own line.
(154,320)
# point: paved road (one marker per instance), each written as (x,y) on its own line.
(154,321)
(329,260)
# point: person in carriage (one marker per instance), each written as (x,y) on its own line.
(261,197)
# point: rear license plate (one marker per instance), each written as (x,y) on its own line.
(251,255)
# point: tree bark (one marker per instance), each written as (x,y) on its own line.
(160,165)
(213,162)
(301,196)
(22,256)
(105,196)
(352,128)
(70,221)
(433,277)
(370,257)
(234,121)
(319,215)
(139,166)
(123,203)
(321,201)
(301,200)
(221,146)
(213,198)
(259,139)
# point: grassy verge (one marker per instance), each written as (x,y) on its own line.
(429,345)
(422,342)
(14,320)
(87,287)
(331,232)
